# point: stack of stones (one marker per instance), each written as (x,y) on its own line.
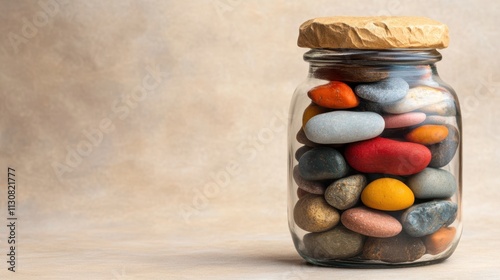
(372,172)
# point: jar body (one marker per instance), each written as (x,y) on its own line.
(374,175)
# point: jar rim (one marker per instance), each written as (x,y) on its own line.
(373,56)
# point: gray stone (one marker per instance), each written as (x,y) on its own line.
(432,183)
(322,163)
(344,193)
(388,90)
(443,152)
(339,127)
(426,218)
(315,187)
(337,243)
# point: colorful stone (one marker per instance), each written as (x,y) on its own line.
(334,95)
(428,134)
(387,194)
(370,222)
(382,155)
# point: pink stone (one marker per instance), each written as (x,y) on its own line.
(371,222)
(403,120)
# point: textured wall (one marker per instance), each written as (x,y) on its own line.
(167,117)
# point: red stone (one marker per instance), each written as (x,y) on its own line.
(382,155)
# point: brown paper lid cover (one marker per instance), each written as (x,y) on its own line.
(381,32)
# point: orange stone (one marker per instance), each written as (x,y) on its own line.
(311,111)
(440,240)
(334,95)
(428,134)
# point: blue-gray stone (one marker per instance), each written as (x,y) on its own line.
(388,90)
(426,218)
(340,127)
(432,183)
(443,152)
(322,163)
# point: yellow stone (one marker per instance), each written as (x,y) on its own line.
(387,194)
(311,111)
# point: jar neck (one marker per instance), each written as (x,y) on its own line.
(351,65)
(391,57)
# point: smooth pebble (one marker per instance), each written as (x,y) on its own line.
(337,243)
(300,151)
(387,194)
(444,108)
(341,127)
(311,111)
(345,193)
(315,187)
(322,163)
(400,248)
(302,139)
(427,134)
(387,90)
(334,95)
(443,152)
(301,193)
(432,183)
(439,241)
(416,98)
(426,218)
(370,222)
(404,120)
(313,214)
(383,155)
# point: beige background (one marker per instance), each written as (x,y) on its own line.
(163,100)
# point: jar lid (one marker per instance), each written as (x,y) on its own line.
(381,32)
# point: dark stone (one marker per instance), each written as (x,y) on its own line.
(302,139)
(316,187)
(443,152)
(400,248)
(348,73)
(300,151)
(368,106)
(322,163)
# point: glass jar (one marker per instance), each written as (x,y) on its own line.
(374,143)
